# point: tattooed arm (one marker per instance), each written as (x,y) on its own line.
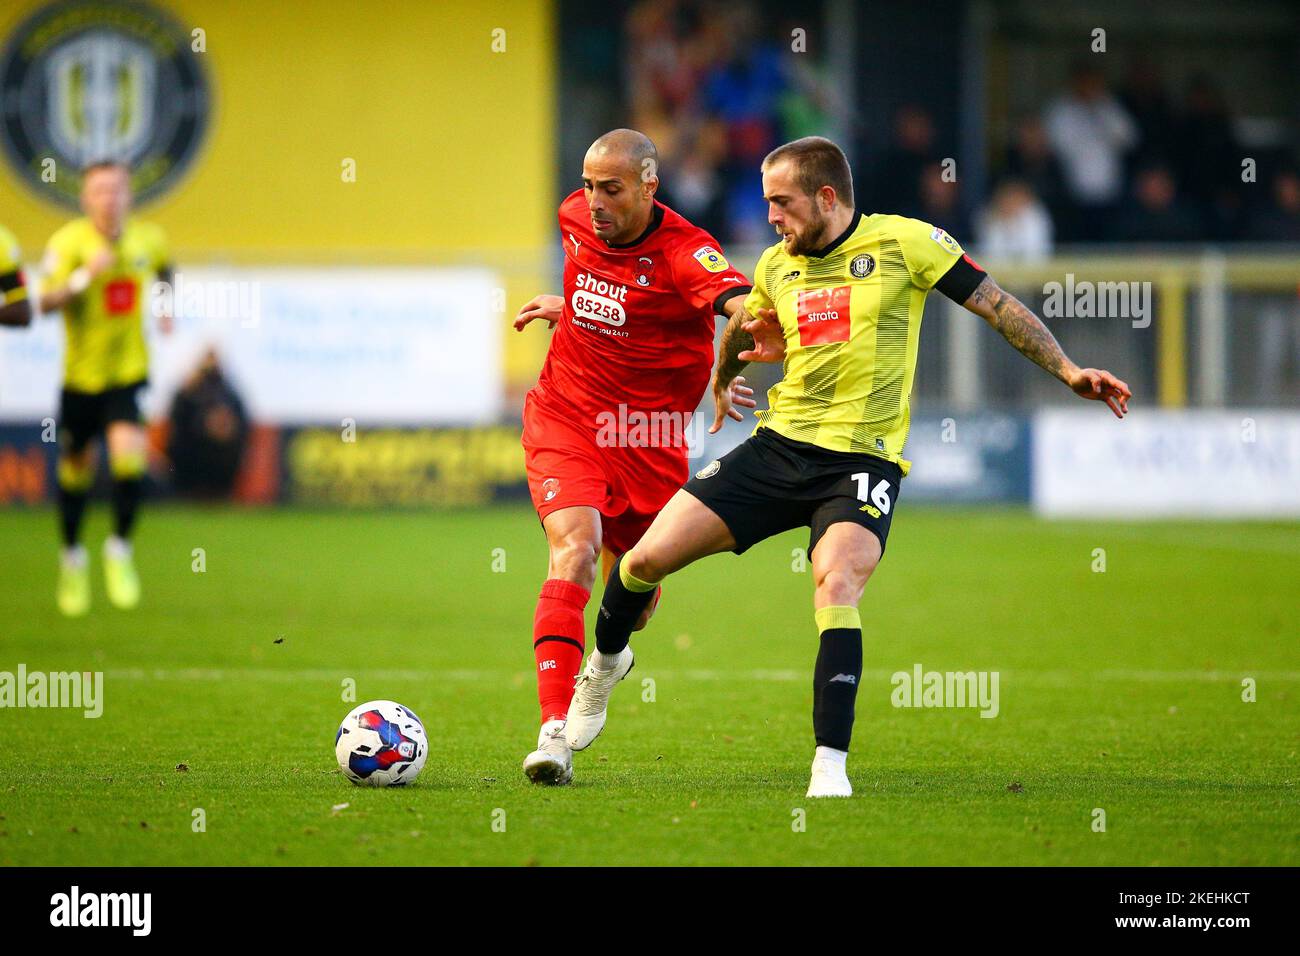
(745,339)
(1027,333)
(729,386)
(734,341)
(1019,326)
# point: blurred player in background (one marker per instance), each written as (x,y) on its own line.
(839,299)
(604,428)
(99,270)
(15,308)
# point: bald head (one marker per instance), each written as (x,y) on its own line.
(620,174)
(630,148)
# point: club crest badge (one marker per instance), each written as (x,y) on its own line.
(709,470)
(89,80)
(645,271)
(862,266)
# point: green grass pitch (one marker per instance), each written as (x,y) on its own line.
(1119,690)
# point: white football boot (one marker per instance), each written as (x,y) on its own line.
(590,702)
(552,761)
(829,778)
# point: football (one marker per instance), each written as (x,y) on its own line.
(381,744)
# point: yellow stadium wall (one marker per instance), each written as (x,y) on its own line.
(453,142)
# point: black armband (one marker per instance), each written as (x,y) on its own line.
(961,280)
(725,297)
(10,281)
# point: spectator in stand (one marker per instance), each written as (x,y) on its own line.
(813,99)
(1090,133)
(1031,160)
(1281,221)
(744,90)
(209,430)
(1210,159)
(663,67)
(693,185)
(899,174)
(940,200)
(1144,96)
(1156,214)
(1014,225)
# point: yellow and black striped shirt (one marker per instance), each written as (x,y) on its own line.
(851,316)
(105,345)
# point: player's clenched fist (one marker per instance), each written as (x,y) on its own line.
(548,307)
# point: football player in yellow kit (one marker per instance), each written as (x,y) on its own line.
(99,270)
(15,308)
(838,300)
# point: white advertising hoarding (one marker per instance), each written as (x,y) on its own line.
(308,345)
(1156,464)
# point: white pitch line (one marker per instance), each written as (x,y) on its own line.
(1027,676)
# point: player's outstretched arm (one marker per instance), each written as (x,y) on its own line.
(548,307)
(1026,332)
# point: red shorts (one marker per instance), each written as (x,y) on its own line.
(567,467)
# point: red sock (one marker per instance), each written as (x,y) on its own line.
(558,644)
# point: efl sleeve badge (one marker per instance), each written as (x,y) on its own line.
(711,259)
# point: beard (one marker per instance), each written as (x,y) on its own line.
(809,240)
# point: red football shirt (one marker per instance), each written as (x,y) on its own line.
(638,323)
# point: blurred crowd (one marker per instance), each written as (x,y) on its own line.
(1135,164)
(716,93)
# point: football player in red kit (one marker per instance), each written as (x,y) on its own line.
(605,426)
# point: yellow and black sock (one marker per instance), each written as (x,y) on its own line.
(626,596)
(836,675)
(128,489)
(74,490)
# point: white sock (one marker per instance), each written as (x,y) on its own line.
(116,547)
(835,756)
(75,556)
(603,662)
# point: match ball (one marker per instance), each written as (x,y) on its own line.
(381,744)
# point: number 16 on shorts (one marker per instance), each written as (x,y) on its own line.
(876,497)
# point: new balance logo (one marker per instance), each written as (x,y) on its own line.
(844,678)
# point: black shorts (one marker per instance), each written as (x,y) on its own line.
(86,415)
(771,484)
